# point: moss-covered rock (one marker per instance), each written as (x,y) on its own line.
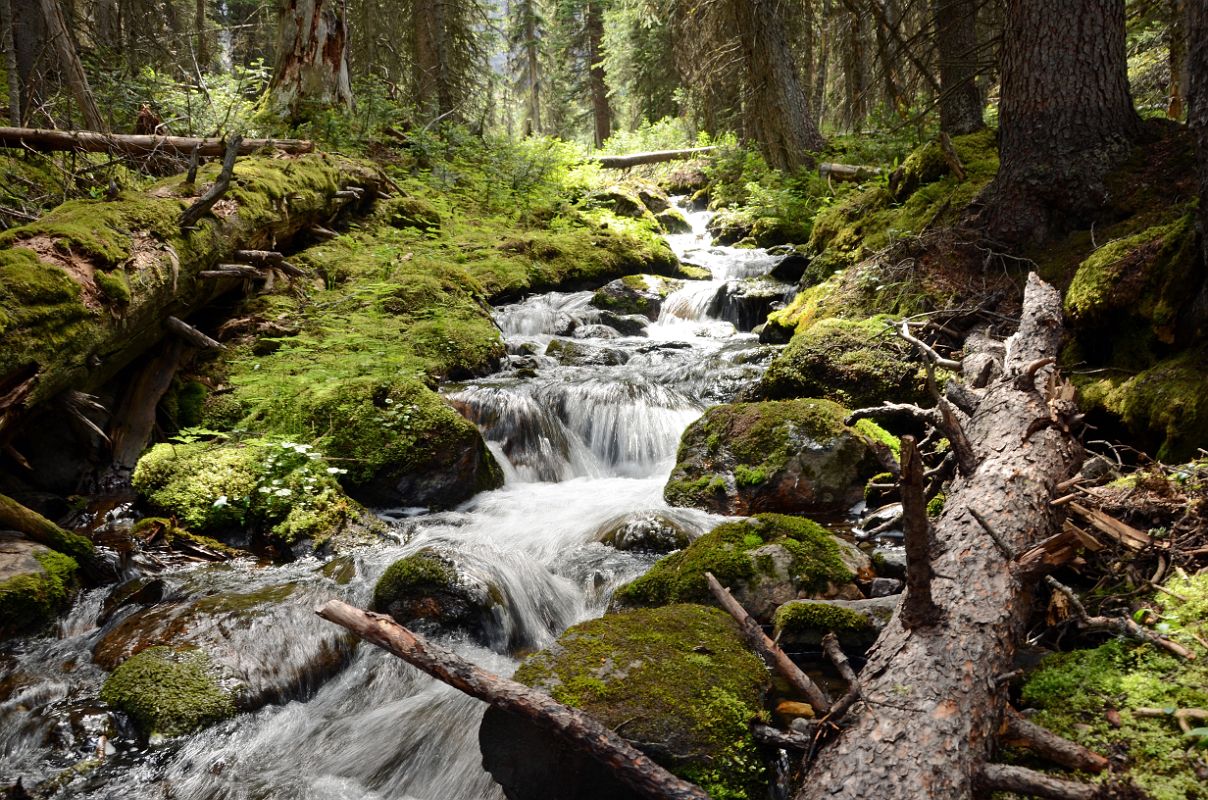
(635,294)
(856,364)
(36,584)
(645,532)
(856,623)
(621,200)
(269,486)
(1072,693)
(672,220)
(169,692)
(429,587)
(789,456)
(677,681)
(765,561)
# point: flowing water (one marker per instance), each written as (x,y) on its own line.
(585,446)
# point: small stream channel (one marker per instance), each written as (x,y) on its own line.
(585,446)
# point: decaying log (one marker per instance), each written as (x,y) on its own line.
(195,212)
(772,655)
(16,517)
(655,157)
(1121,532)
(1049,745)
(1010,778)
(134,421)
(930,707)
(141,145)
(232,271)
(630,765)
(847,172)
(268,259)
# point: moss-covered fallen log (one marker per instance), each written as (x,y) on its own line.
(88,287)
(139,145)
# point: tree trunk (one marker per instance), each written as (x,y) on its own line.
(886,55)
(956,40)
(138,144)
(776,107)
(1066,115)
(600,109)
(108,22)
(1197,115)
(69,64)
(29,44)
(1178,58)
(822,64)
(854,72)
(430,69)
(10,62)
(312,58)
(202,39)
(931,702)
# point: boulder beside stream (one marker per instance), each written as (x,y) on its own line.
(35,584)
(791,456)
(677,682)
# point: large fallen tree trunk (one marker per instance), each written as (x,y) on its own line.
(655,157)
(138,145)
(630,765)
(93,284)
(933,697)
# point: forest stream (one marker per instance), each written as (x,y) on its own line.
(586,444)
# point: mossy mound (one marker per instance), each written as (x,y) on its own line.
(1074,691)
(854,363)
(856,623)
(428,587)
(168,692)
(788,456)
(765,561)
(273,487)
(673,220)
(36,584)
(1164,407)
(676,681)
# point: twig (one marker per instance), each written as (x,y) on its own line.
(195,212)
(1122,625)
(927,351)
(1055,748)
(1003,547)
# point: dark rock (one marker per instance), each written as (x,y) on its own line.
(578,354)
(141,591)
(747,302)
(624,324)
(644,532)
(790,268)
(677,681)
(654,198)
(635,294)
(890,562)
(596,332)
(428,588)
(884,587)
(729,227)
(793,456)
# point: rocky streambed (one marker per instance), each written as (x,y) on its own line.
(615,422)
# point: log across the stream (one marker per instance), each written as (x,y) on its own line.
(933,698)
(138,144)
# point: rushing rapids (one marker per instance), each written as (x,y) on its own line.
(586,444)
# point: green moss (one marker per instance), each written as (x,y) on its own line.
(801,616)
(114,286)
(875,433)
(29,603)
(175,536)
(276,487)
(725,551)
(42,315)
(677,675)
(423,571)
(935,506)
(1073,691)
(168,692)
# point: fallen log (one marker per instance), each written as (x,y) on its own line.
(139,145)
(630,765)
(847,172)
(654,157)
(930,708)
(37,528)
(203,204)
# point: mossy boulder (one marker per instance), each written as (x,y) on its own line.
(765,561)
(635,294)
(36,584)
(262,642)
(856,623)
(430,588)
(854,363)
(730,226)
(271,487)
(672,220)
(787,456)
(620,200)
(1071,694)
(676,681)
(745,303)
(168,692)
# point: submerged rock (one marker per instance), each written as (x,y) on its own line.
(676,681)
(579,354)
(765,561)
(792,456)
(645,532)
(36,584)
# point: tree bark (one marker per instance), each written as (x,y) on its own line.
(69,63)
(10,62)
(956,40)
(822,64)
(600,108)
(855,75)
(29,44)
(1197,112)
(1066,115)
(1178,58)
(312,58)
(138,145)
(931,705)
(776,107)
(630,765)
(431,65)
